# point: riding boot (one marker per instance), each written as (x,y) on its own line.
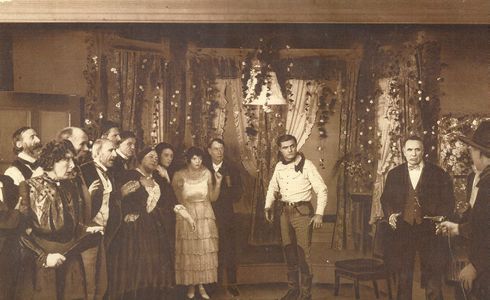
(291,257)
(293,286)
(306,280)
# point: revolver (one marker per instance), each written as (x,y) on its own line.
(436,219)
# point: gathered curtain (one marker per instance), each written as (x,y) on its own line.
(302,112)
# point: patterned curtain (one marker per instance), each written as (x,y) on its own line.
(302,114)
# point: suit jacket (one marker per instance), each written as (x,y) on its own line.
(118,168)
(229,194)
(435,194)
(477,230)
(435,191)
(90,174)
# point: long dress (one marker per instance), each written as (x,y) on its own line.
(52,217)
(196,257)
(140,257)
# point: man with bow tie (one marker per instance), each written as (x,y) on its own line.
(27,146)
(414,190)
(230,193)
(294,180)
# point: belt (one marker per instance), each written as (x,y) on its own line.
(295,204)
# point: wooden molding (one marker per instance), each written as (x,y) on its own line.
(249,11)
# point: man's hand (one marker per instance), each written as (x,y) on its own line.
(95,229)
(467,276)
(96,185)
(393,219)
(317,221)
(447,228)
(131,218)
(269,217)
(54,260)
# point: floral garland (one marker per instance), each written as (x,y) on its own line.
(454,155)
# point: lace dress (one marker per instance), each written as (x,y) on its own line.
(196,257)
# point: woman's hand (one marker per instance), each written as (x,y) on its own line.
(192,223)
(54,260)
(130,187)
(185,214)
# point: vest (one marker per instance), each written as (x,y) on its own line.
(21,166)
(412,213)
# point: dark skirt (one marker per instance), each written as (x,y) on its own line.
(140,261)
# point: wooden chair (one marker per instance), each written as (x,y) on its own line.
(366,269)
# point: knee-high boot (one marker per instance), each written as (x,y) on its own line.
(293,273)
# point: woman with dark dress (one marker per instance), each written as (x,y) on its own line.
(141,258)
(51,266)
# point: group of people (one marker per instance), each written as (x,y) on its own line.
(124,224)
(111,222)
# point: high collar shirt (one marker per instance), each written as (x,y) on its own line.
(296,186)
(415,174)
(103,215)
(216,167)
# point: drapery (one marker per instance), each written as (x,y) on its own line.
(302,113)
(136,86)
(387,122)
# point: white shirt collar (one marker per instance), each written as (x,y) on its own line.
(121,154)
(26,157)
(216,167)
(421,164)
(100,165)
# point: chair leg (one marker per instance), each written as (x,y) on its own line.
(376,291)
(356,287)
(337,284)
(388,281)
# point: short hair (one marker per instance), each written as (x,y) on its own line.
(217,140)
(17,136)
(140,155)
(412,138)
(126,134)
(162,146)
(193,151)
(106,125)
(285,138)
(68,132)
(53,152)
(98,145)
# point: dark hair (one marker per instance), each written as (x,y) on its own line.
(217,140)
(106,125)
(126,134)
(285,138)
(140,155)
(162,146)
(193,151)
(53,152)
(17,136)
(412,138)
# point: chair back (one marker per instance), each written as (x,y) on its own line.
(381,239)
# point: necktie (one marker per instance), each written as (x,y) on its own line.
(413,167)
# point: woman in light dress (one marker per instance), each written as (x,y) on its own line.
(196,257)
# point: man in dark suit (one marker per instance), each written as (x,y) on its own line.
(230,192)
(125,153)
(413,191)
(10,221)
(105,208)
(475,276)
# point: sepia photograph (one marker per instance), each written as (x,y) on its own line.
(253,150)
